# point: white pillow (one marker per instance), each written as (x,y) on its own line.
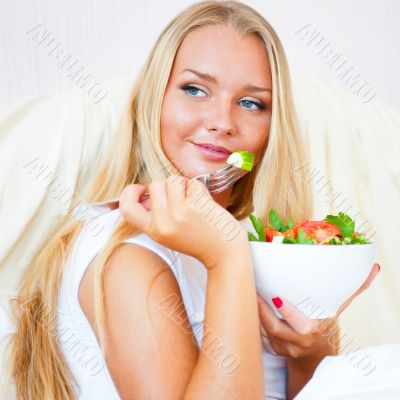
(370,373)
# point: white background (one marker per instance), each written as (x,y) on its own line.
(112,38)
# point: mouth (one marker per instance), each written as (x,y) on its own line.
(214,148)
(212,152)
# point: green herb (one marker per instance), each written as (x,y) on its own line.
(274,220)
(289,224)
(259,228)
(344,222)
(289,240)
(360,239)
(252,237)
(335,240)
(303,239)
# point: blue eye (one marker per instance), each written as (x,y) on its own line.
(192,90)
(259,106)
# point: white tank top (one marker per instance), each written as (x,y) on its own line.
(77,338)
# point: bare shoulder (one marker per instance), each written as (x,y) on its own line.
(144,315)
(132,273)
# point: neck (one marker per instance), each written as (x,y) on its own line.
(223,198)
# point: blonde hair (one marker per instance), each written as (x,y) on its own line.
(38,365)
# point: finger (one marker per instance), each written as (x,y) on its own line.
(286,349)
(285,331)
(293,316)
(273,325)
(146,204)
(197,192)
(266,343)
(372,275)
(276,346)
(176,190)
(131,209)
(158,200)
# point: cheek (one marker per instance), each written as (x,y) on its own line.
(263,143)
(256,143)
(179,120)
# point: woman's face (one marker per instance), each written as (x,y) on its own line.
(218,93)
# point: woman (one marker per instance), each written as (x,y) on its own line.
(216,76)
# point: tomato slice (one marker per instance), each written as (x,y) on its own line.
(270,233)
(321,231)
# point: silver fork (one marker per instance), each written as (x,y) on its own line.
(216,181)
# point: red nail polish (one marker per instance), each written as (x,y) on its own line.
(379,267)
(277,302)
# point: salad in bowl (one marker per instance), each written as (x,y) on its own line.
(316,265)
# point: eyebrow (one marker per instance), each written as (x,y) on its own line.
(212,79)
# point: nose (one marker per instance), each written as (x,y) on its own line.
(220,118)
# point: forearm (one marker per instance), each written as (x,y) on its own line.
(301,370)
(229,364)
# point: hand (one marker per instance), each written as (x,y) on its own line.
(298,337)
(184,217)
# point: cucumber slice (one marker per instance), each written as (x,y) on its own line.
(241,159)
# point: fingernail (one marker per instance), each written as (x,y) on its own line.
(277,302)
(379,266)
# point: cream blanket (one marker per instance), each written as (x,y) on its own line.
(50,148)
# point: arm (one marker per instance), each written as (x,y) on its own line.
(233,319)
(151,350)
(300,370)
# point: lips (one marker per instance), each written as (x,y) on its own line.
(214,147)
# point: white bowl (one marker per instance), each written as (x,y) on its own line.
(315,278)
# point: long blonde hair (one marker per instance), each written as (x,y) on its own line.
(38,365)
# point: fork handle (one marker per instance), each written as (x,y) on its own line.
(114,203)
(104,206)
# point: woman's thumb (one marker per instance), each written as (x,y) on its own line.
(131,209)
